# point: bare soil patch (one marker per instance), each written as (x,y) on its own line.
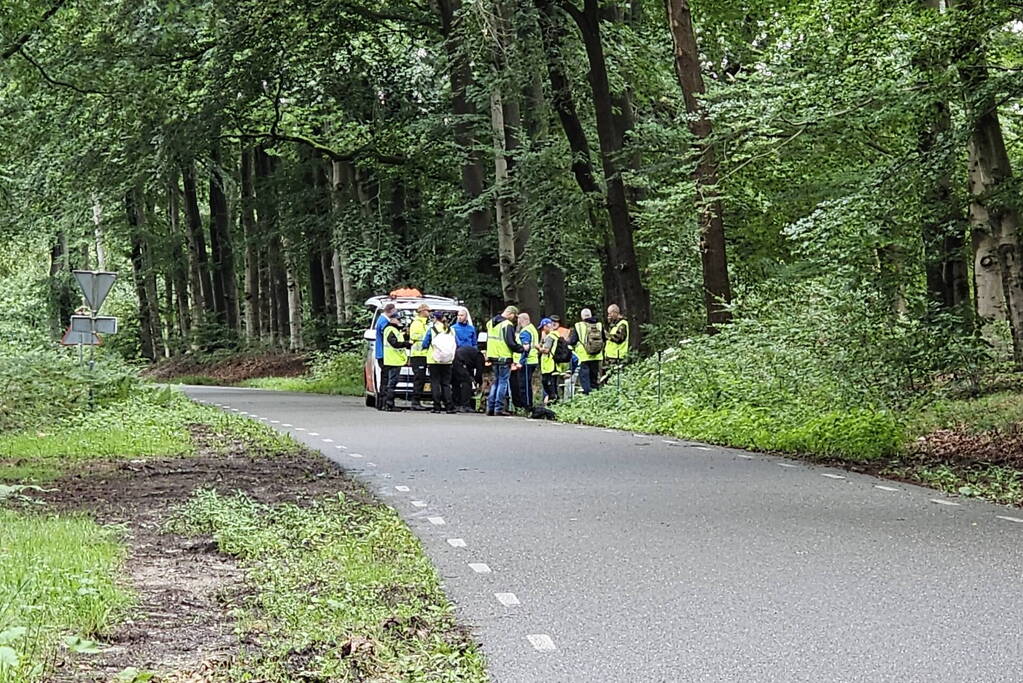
(182,626)
(233,368)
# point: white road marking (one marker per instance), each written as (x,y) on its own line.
(235,410)
(479,567)
(701,448)
(1010,519)
(327,440)
(507,599)
(943,502)
(670,442)
(581,427)
(371,464)
(299,429)
(541,642)
(456,542)
(833,476)
(419,503)
(386,475)
(314,433)
(355,455)
(744,457)
(638,436)
(438,521)
(276,422)
(609,431)
(403,489)
(786,464)
(885,488)
(286,425)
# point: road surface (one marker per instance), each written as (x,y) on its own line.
(583,554)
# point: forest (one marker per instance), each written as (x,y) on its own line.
(808,210)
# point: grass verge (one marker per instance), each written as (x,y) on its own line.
(342,588)
(57,589)
(310,385)
(151,423)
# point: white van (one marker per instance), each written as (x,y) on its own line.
(406,301)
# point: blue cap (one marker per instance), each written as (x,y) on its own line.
(546,321)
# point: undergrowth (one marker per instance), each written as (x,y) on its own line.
(342,583)
(57,589)
(329,373)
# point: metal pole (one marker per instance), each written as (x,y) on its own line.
(658,378)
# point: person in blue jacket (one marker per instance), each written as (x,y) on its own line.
(465,332)
(378,348)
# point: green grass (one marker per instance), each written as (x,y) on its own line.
(335,576)
(983,413)
(198,380)
(309,385)
(56,584)
(1003,485)
(152,423)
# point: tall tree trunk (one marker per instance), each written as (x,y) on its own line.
(176,238)
(280,280)
(998,262)
(248,219)
(202,281)
(636,304)
(461,80)
(267,324)
(225,286)
(133,212)
(505,231)
(63,299)
(342,275)
(554,297)
(294,306)
(717,291)
(97,221)
(329,296)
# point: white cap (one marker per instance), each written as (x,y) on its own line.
(586,313)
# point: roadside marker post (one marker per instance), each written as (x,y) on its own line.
(84,330)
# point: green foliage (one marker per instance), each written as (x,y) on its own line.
(338,573)
(1003,485)
(329,373)
(57,587)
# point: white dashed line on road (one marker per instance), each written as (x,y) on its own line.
(355,455)
(701,448)
(286,425)
(744,457)
(327,440)
(386,475)
(541,642)
(276,422)
(944,502)
(833,476)
(403,489)
(299,429)
(479,567)
(456,542)
(314,433)
(419,503)
(609,431)
(885,488)
(371,464)
(507,599)
(437,521)
(670,442)
(1010,519)
(786,464)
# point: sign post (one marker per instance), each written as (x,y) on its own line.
(85,329)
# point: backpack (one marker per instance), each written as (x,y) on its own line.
(562,354)
(594,341)
(444,347)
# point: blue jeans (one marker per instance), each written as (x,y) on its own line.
(589,375)
(499,389)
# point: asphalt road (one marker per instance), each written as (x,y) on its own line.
(611,556)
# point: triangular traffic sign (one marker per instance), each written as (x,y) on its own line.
(95,285)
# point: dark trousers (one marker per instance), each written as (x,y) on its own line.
(589,375)
(440,384)
(389,378)
(522,385)
(550,386)
(461,384)
(418,378)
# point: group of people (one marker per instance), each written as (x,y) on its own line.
(518,353)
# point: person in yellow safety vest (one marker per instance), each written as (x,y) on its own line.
(502,346)
(417,332)
(548,368)
(441,345)
(525,373)
(395,357)
(587,341)
(617,335)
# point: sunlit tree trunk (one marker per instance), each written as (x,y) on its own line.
(202,281)
(248,220)
(343,285)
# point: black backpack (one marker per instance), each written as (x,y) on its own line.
(562,354)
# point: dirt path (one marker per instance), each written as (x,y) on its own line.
(182,626)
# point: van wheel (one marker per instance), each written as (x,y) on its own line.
(371,401)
